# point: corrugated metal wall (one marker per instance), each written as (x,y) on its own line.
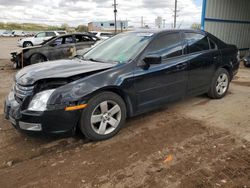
(229,20)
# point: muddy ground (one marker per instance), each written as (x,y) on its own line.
(196,142)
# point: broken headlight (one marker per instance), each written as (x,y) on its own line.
(39,101)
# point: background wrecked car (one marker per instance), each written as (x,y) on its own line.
(60,47)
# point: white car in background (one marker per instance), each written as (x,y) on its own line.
(102,34)
(8,33)
(39,38)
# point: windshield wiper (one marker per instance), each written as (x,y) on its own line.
(99,60)
(94,60)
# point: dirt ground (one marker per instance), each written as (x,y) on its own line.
(196,142)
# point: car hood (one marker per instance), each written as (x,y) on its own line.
(58,69)
(21,50)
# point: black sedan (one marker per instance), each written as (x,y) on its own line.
(58,47)
(124,76)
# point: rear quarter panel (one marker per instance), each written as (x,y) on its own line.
(229,59)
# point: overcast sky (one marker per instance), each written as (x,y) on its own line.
(75,12)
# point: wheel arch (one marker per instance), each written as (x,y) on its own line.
(126,98)
(38,53)
(229,70)
(27,42)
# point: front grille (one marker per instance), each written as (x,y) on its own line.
(22,91)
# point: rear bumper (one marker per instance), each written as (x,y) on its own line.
(52,121)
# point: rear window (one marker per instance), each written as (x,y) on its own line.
(196,42)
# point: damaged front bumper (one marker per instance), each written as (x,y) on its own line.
(16,59)
(50,121)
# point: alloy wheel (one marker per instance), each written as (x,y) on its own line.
(222,84)
(106,117)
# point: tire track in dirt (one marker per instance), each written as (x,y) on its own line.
(194,163)
(95,159)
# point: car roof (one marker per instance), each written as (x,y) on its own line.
(158,31)
(76,33)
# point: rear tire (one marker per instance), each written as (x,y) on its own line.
(104,116)
(27,44)
(219,84)
(37,58)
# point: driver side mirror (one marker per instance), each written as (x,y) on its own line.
(152,59)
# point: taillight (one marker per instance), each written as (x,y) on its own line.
(238,55)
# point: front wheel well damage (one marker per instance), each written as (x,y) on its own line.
(117,91)
(32,55)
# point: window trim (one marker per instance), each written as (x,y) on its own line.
(161,35)
(186,41)
(216,46)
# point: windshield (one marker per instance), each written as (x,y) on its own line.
(120,48)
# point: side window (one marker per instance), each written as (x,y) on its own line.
(58,41)
(83,38)
(63,40)
(167,46)
(213,45)
(42,34)
(68,40)
(196,42)
(50,34)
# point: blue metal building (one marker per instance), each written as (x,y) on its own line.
(229,20)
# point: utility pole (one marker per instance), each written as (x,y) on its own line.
(115,12)
(164,23)
(175,13)
(121,26)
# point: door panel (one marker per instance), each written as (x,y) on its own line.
(84,41)
(161,83)
(202,62)
(82,45)
(164,82)
(60,48)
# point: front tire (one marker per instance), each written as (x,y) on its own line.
(37,58)
(27,44)
(104,116)
(220,84)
